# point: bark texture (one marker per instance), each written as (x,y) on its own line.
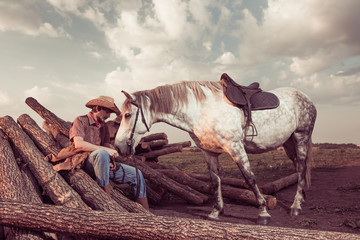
(51,181)
(116,225)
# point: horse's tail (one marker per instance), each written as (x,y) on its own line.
(309,158)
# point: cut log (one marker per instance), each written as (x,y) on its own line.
(129,205)
(56,134)
(235,182)
(154,144)
(162,151)
(279,184)
(183,178)
(160,179)
(237,194)
(48,116)
(183,144)
(154,136)
(88,189)
(42,140)
(50,180)
(13,187)
(114,225)
(246,196)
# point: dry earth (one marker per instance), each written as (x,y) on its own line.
(332,204)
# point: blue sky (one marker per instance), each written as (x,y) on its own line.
(65,52)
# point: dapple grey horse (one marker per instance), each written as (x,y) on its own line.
(217,126)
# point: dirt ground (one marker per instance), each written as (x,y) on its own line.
(332,204)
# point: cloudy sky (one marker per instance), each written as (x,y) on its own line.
(65,52)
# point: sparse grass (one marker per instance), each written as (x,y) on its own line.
(271,164)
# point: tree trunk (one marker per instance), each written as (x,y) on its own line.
(242,195)
(246,196)
(56,134)
(48,116)
(160,179)
(162,151)
(155,136)
(13,187)
(42,140)
(88,189)
(130,206)
(154,144)
(183,144)
(183,178)
(117,225)
(234,182)
(279,184)
(50,180)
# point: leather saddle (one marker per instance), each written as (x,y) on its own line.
(248,98)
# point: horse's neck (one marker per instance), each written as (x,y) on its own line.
(183,118)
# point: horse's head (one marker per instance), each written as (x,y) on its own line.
(133,125)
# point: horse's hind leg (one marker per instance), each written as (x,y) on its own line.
(240,157)
(300,154)
(213,165)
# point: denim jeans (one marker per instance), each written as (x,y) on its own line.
(98,165)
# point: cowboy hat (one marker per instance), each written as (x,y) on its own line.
(103,101)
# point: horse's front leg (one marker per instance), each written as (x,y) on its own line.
(240,157)
(213,165)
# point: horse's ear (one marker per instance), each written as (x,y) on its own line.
(127,95)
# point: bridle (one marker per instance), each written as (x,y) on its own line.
(130,141)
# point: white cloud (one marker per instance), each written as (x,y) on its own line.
(309,32)
(41,94)
(16,16)
(4,99)
(28,67)
(226,58)
(96,55)
(330,89)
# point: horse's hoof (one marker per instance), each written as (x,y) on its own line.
(295,212)
(263,220)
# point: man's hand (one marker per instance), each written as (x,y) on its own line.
(112,152)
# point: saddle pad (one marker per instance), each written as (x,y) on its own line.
(264,100)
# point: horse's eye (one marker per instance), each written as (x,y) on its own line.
(127,115)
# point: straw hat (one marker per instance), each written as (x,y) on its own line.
(103,101)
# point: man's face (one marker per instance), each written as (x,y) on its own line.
(103,114)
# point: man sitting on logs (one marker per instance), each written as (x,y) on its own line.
(90,133)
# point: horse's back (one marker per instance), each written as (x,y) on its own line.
(275,126)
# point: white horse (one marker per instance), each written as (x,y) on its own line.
(217,126)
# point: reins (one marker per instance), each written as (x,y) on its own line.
(130,142)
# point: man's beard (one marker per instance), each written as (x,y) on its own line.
(100,120)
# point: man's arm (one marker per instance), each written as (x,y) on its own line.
(86,146)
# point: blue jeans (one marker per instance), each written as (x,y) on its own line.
(98,165)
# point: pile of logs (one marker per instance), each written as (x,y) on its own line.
(36,202)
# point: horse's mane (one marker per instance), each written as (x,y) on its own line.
(167,98)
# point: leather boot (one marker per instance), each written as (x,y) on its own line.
(107,189)
(143,202)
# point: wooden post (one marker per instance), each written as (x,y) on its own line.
(114,225)
(50,180)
